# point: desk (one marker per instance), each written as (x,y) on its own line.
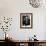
(27,42)
(31,43)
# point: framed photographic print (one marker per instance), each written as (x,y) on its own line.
(26,20)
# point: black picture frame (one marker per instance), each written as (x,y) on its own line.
(26,20)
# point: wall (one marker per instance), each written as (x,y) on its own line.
(13,8)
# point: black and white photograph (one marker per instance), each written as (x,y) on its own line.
(26,20)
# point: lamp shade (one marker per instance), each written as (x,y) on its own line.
(36,3)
